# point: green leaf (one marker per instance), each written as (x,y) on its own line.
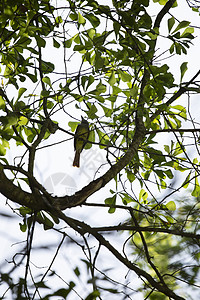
(172,48)
(112,79)
(23,226)
(79,48)
(48,224)
(156,155)
(3,145)
(134,92)
(116,26)
(169,173)
(93,295)
(186,181)
(44,94)
(196,190)
(64,292)
(77,272)
(12,119)
(108,112)
(144,21)
(30,134)
(73,125)
(83,81)
(100,88)
(195,161)
(160,174)
(22,121)
(144,2)
(111,201)
(130,175)
(91,138)
(182,111)
(33,77)
(24,211)
(181,25)
(73,16)
(99,61)
(77,39)
(171,205)
(58,20)
(143,195)
(187,33)
(2,103)
(55,43)
(171,23)
(41,284)
(81,19)
(68,43)
(93,19)
(47,67)
(47,80)
(126,198)
(178,149)
(90,80)
(91,32)
(103,138)
(125,76)
(167,148)
(116,90)
(20,92)
(92,112)
(183,69)
(40,41)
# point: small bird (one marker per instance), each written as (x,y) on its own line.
(80,140)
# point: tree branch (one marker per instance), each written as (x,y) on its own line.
(83,228)
(180,92)
(173,130)
(148,229)
(17,195)
(163,12)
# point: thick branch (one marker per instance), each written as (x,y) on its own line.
(163,12)
(17,195)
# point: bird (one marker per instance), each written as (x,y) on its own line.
(80,140)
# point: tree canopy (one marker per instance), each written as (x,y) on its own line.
(111,62)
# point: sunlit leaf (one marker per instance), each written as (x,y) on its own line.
(73,125)
(143,195)
(183,69)
(22,121)
(81,19)
(196,190)
(171,205)
(181,25)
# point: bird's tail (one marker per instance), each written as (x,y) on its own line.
(76,162)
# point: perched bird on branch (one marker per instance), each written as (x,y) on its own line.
(80,140)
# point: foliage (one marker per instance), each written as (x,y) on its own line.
(131,99)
